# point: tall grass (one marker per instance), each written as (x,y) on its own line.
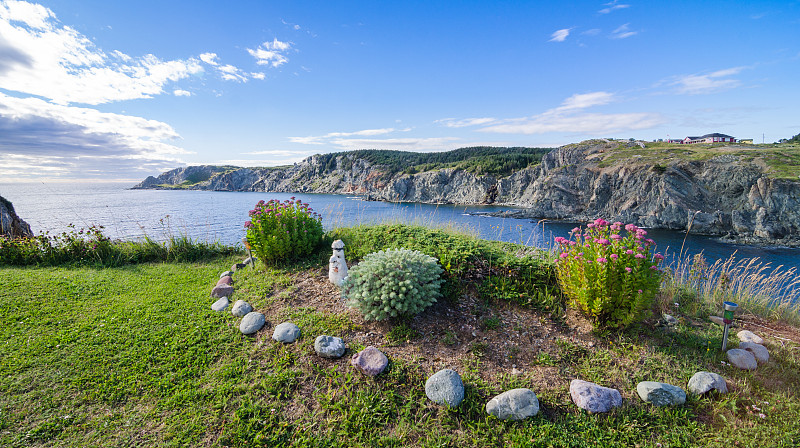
(757,287)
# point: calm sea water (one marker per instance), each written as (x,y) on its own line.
(215,215)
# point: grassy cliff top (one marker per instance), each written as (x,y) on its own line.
(781,160)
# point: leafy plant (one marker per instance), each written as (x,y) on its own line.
(391,283)
(609,277)
(282,231)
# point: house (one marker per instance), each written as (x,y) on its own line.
(709,138)
(748,141)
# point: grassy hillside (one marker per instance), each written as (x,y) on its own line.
(781,160)
(133,356)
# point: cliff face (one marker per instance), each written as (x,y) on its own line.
(723,195)
(11,224)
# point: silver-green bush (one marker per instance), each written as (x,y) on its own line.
(392,283)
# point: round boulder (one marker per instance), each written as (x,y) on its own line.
(445,388)
(227,280)
(329,346)
(222,291)
(370,361)
(594,398)
(759,351)
(220,304)
(252,322)
(515,404)
(241,308)
(703,382)
(749,336)
(742,359)
(226,274)
(660,394)
(286,332)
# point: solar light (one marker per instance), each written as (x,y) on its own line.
(249,254)
(727,319)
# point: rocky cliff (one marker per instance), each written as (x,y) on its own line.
(11,224)
(725,192)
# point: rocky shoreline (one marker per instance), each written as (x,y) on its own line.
(729,195)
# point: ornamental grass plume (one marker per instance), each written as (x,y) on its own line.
(280,231)
(610,277)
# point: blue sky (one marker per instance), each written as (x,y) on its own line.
(121,90)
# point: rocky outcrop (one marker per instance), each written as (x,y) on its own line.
(726,195)
(11,224)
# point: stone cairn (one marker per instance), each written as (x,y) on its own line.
(337,265)
(445,387)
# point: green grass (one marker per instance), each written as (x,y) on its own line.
(133,356)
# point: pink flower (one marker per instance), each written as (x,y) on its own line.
(601,259)
(614,256)
(629,252)
(602,241)
(638,256)
(628,270)
(640,291)
(616,237)
(564,255)
(631,227)
(653,268)
(600,222)
(762,415)
(560,240)
(658,257)
(576,230)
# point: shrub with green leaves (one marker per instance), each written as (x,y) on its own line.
(610,277)
(394,282)
(281,231)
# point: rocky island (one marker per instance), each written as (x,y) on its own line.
(746,193)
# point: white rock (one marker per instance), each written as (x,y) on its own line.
(661,394)
(252,322)
(329,346)
(286,332)
(593,397)
(220,304)
(240,308)
(515,404)
(759,351)
(742,359)
(445,388)
(749,336)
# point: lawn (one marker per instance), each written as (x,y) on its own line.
(134,356)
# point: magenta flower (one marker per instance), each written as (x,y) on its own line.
(628,270)
(629,252)
(564,255)
(614,256)
(603,241)
(631,228)
(638,256)
(601,259)
(640,291)
(616,237)
(576,230)
(560,240)
(658,257)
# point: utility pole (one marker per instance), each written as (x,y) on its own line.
(762,137)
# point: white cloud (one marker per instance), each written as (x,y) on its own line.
(258,75)
(464,122)
(209,58)
(39,138)
(613,6)
(559,35)
(322,139)
(622,32)
(231,73)
(59,63)
(271,53)
(402,144)
(568,118)
(181,92)
(713,82)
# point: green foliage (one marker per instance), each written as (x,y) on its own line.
(394,282)
(610,278)
(283,231)
(481,160)
(91,246)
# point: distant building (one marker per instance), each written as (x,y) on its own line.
(708,138)
(748,141)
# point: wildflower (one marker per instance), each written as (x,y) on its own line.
(638,256)
(653,268)
(614,256)
(560,240)
(631,228)
(576,230)
(564,255)
(762,415)
(658,257)
(616,237)
(601,259)
(629,252)
(640,291)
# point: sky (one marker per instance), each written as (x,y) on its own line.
(120,90)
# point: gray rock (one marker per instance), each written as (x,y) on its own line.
(222,291)
(329,346)
(286,332)
(515,404)
(240,308)
(759,351)
(669,320)
(370,361)
(749,336)
(220,304)
(703,382)
(661,394)
(252,322)
(445,388)
(742,359)
(594,398)
(226,274)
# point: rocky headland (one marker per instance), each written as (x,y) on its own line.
(11,224)
(735,192)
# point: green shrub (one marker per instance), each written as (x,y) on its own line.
(281,231)
(391,283)
(610,278)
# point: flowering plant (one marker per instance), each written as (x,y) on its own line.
(283,230)
(609,276)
